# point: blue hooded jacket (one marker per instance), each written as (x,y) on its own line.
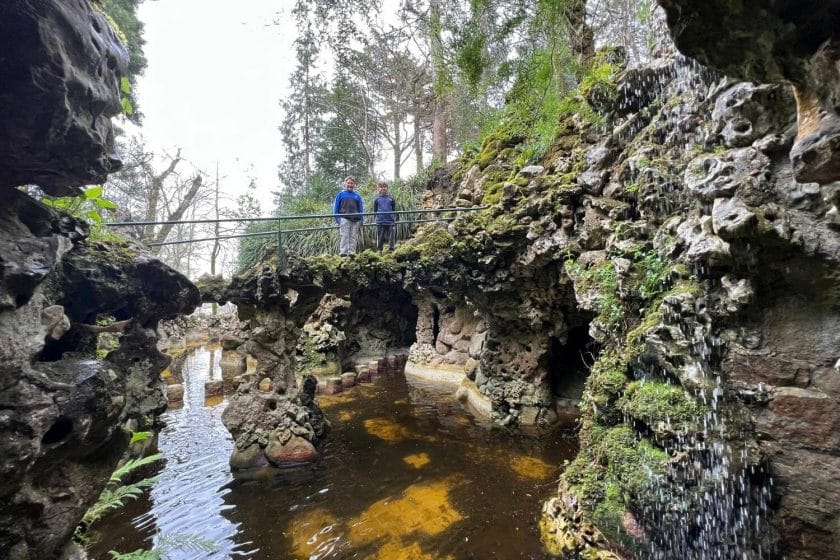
(350,198)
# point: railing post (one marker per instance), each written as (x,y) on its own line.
(281,254)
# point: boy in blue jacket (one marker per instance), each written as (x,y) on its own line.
(386,227)
(348,208)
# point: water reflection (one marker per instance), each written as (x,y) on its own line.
(405,473)
(188,498)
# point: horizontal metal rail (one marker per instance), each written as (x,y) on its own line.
(285,231)
(299,217)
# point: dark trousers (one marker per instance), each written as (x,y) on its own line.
(385,232)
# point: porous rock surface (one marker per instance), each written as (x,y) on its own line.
(785,41)
(704,277)
(700,263)
(65,413)
(273,417)
(60,77)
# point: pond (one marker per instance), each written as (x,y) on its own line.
(404,473)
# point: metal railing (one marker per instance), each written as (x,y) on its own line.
(279,232)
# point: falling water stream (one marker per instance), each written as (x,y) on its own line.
(405,473)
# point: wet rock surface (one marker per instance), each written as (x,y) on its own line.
(272,414)
(66,414)
(667,250)
(59,93)
(787,41)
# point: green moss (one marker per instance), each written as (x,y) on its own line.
(651,274)
(603,280)
(604,385)
(116,250)
(308,356)
(654,402)
(493,193)
(613,469)
(632,463)
(431,243)
(600,80)
(608,515)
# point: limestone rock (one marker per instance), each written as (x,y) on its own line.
(175,393)
(748,112)
(58,96)
(716,176)
(229,342)
(732,218)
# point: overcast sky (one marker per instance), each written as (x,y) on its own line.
(215,77)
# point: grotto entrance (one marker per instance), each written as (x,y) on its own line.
(348,330)
(568,367)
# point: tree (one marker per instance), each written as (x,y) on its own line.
(123,15)
(303,107)
(151,189)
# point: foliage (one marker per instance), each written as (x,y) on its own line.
(116,493)
(89,206)
(166,543)
(122,15)
(139,436)
(318,200)
(303,106)
(655,402)
(653,274)
(603,280)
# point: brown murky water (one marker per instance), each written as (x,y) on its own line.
(405,474)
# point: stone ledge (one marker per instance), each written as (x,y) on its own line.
(445,375)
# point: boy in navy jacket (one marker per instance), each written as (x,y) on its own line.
(386,227)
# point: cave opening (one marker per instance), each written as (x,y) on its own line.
(59,431)
(569,363)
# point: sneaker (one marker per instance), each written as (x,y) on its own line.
(342,254)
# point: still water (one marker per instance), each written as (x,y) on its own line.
(404,474)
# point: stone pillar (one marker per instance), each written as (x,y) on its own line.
(362,373)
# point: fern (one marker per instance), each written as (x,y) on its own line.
(133,465)
(112,499)
(139,554)
(185,541)
(176,541)
(116,494)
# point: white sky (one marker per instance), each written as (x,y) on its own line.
(217,71)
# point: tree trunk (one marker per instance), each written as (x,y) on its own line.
(418,140)
(214,254)
(439,150)
(163,233)
(397,122)
(581,37)
(154,196)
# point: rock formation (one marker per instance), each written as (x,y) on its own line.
(662,250)
(65,413)
(60,90)
(274,418)
(787,41)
